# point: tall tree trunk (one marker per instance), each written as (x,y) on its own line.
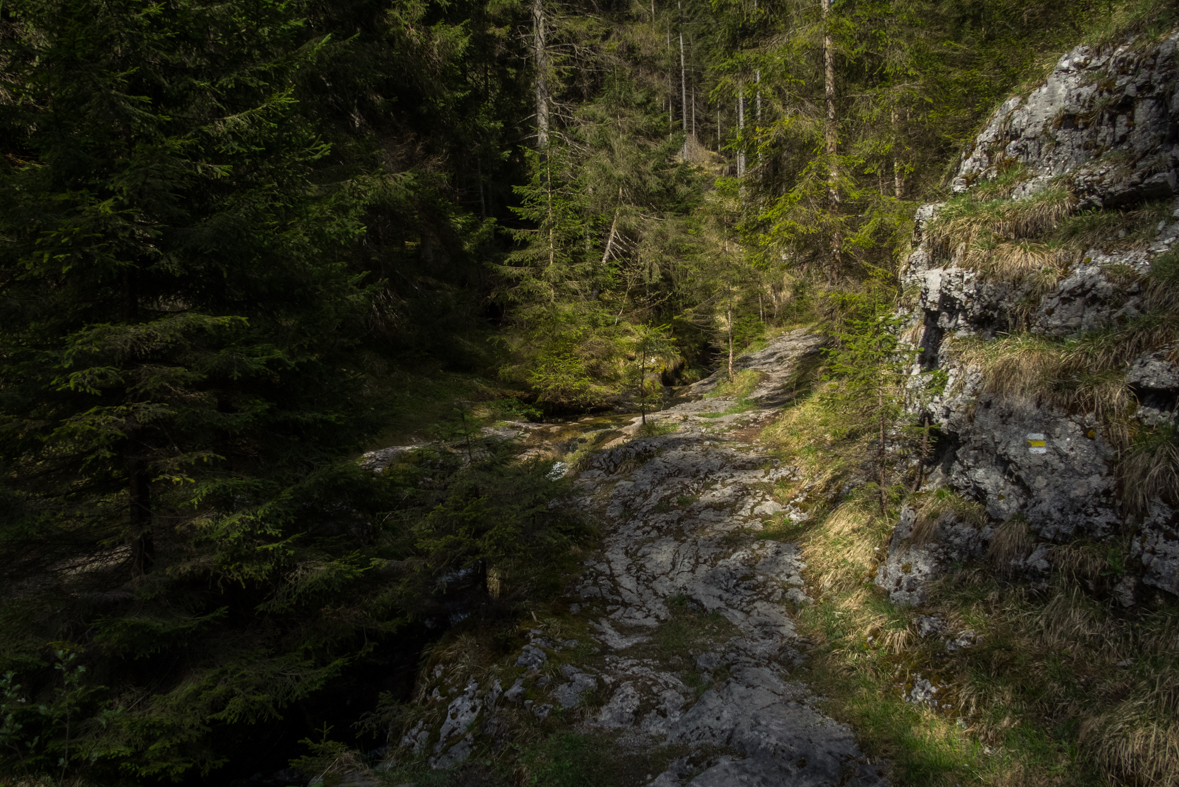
(882,457)
(548,179)
(898,186)
(757,116)
(741,132)
(832,145)
(683,82)
(541,56)
(757,98)
(729,320)
(670,89)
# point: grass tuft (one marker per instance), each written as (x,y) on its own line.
(1084,375)
(931,507)
(998,237)
(1150,469)
(1011,541)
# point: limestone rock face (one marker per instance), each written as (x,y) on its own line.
(1093,102)
(1104,126)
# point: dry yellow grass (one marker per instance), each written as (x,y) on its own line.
(1150,469)
(1069,618)
(930,508)
(1080,562)
(999,237)
(1015,260)
(1085,376)
(1014,366)
(1010,541)
(914,333)
(844,549)
(1138,740)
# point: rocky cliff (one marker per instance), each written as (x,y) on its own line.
(1044,292)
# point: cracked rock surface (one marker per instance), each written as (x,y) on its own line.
(681,513)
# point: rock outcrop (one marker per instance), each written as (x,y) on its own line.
(685,636)
(1080,177)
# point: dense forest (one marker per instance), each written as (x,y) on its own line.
(242,243)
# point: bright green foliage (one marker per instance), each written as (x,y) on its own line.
(605,210)
(913,79)
(649,345)
(870,366)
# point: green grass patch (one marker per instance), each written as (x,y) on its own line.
(783,529)
(655,428)
(576,759)
(741,386)
(690,630)
(570,759)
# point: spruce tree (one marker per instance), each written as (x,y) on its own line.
(178,375)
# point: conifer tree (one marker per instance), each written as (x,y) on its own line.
(179,378)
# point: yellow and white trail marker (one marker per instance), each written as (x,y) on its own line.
(1037,443)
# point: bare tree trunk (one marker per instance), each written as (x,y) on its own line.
(729,319)
(882,456)
(683,82)
(757,98)
(757,112)
(741,133)
(548,179)
(541,56)
(610,240)
(670,89)
(898,187)
(832,145)
(643,386)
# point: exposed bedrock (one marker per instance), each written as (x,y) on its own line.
(1098,143)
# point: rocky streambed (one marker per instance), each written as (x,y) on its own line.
(679,636)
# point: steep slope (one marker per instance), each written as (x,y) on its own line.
(1045,292)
